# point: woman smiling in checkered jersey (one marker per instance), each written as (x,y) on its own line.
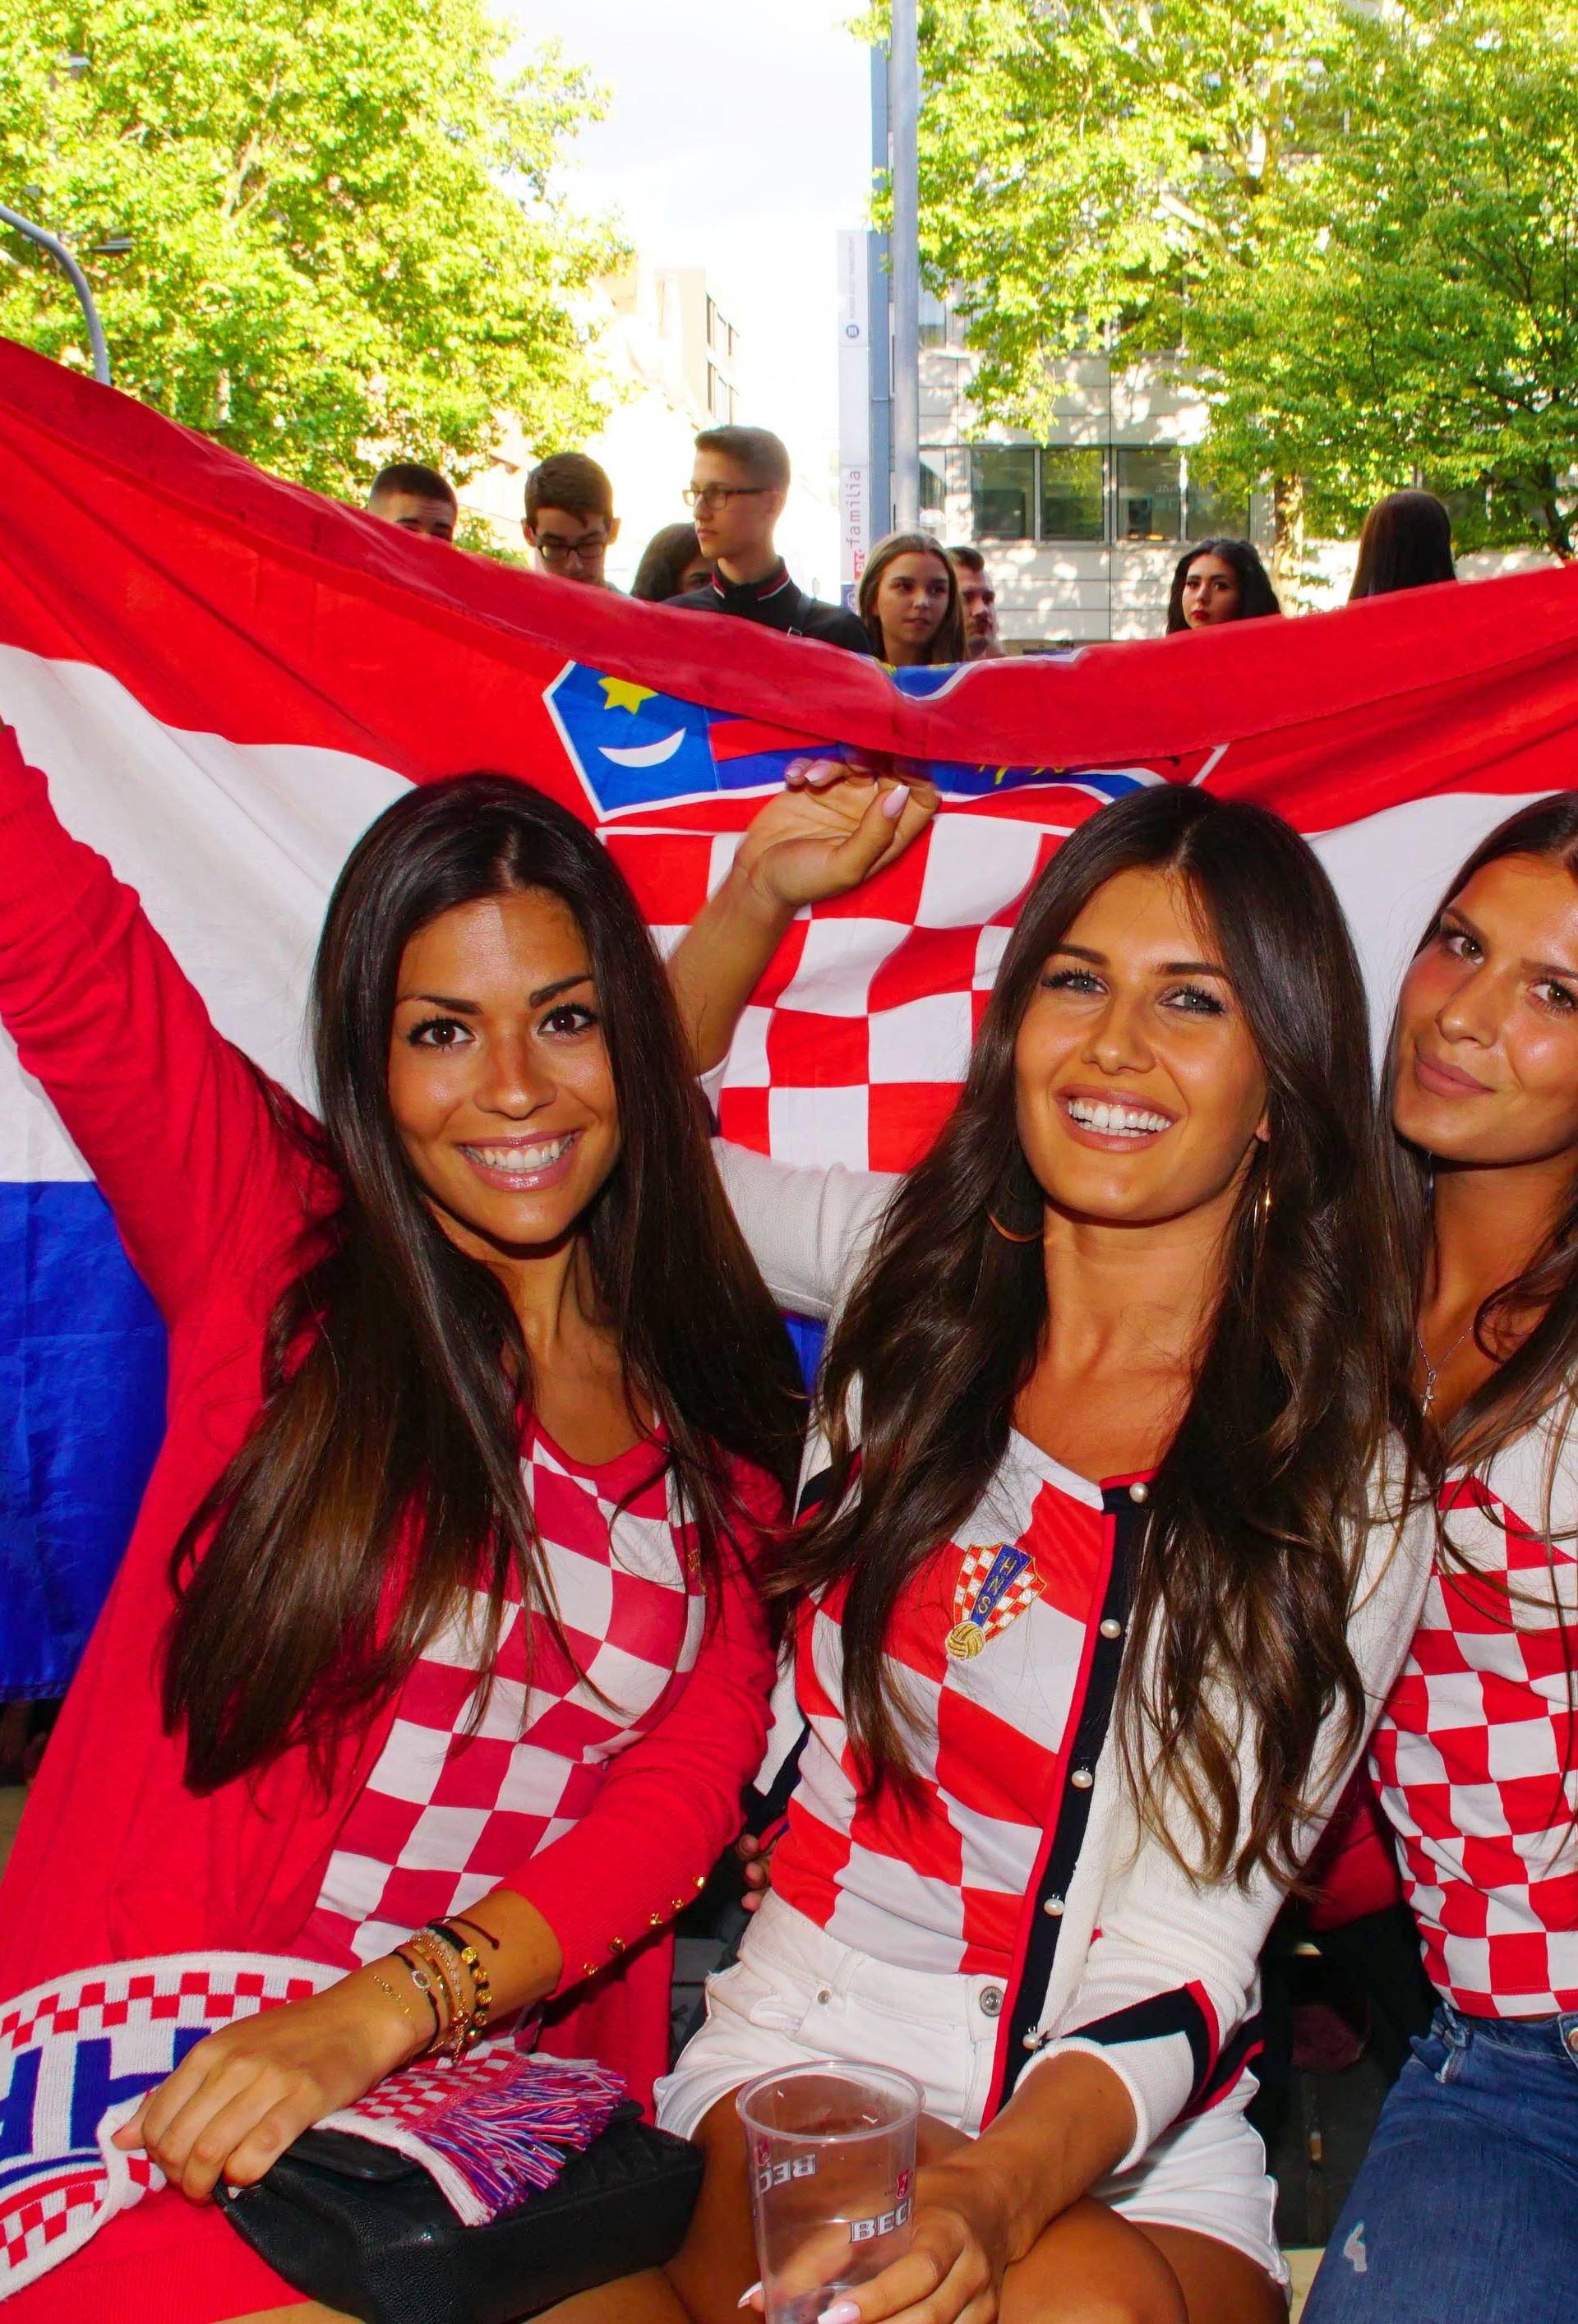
(1467,2204)
(1098,1604)
(476,1408)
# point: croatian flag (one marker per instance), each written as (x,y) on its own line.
(225,678)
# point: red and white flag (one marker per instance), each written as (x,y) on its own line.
(226,677)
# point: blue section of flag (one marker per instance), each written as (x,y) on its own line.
(82,1367)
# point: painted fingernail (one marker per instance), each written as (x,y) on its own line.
(893,804)
(843,2312)
(747,2297)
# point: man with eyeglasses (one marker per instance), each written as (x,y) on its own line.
(739,483)
(570,518)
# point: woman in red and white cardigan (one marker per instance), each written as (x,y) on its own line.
(1099,1596)
(439,1600)
(1467,2203)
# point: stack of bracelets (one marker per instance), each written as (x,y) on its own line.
(440,1959)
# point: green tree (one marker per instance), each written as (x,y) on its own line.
(1416,312)
(1356,226)
(343,232)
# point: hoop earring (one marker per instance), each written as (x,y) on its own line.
(1017,1196)
(1263,1202)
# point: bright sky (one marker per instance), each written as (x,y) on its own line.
(738,139)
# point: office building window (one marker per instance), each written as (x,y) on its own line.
(934,483)
(1002,491)
(1072,493)
(1150,494)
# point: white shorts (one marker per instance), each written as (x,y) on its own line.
(797,1993)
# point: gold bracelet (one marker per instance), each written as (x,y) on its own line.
(482,1996)
(436,1958)
(385,1986)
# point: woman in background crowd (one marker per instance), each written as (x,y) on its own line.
(1219,581)
(909,602)
(671,562)
(1467,2203)
(440,1598)
(1096,1605)
(1406,544)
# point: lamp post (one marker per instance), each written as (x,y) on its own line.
(904,113)
(78,280)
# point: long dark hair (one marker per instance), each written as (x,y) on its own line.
(1406,544)
(381,1482)
(946,643)
(1542,1371)
(664,562)
(1256,596)
(1249,1558)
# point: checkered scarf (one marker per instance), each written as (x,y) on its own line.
(78,2053)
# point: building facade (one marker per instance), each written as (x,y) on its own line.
(1083,525)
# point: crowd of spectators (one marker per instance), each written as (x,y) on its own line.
(918,603)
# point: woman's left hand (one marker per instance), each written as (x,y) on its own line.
(953,2271)
(237,2101)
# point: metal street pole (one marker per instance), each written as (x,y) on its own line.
(904,82)
(78,282)
(879,327)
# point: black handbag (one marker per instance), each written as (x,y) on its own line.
(364,2229)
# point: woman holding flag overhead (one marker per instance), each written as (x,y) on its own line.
(1102,1581)
(437,1634)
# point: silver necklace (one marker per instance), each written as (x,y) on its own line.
(1433,1372)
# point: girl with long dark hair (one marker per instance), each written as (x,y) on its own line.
(1465,2204)
(1219,581)
(440,1598)
(1101,1587)
(909,602)
(1406,544)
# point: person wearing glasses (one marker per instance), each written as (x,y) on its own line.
(739,483)
(569,521)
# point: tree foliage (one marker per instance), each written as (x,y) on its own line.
(345,240)
(1356,224)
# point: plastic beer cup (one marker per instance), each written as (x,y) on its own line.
(831,2151)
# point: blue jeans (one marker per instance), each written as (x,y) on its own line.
(1466,2208)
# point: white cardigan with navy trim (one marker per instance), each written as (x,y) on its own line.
(1168,2000)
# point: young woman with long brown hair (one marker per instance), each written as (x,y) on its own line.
(1099,1601)
(909,602)
(439,1600)
(1467,2202)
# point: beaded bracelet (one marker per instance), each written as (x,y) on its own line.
(481,1995)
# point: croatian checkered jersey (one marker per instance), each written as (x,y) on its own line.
(1020,1852)
(454,1804)
(934,1877)
(1473,1756)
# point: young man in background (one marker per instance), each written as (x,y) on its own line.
(569,520)
(978,600)
(415,499)
(739,483)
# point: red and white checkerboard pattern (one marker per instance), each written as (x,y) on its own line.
(75,2056)
(854,1044)
(1473,1755)
(452,1808)
(934,1877)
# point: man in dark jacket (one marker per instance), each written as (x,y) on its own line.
(738,486)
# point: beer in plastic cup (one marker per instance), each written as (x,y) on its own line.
(830,2153)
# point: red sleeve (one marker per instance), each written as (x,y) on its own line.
(1355,1870)
(170,1118)
(669,1805)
